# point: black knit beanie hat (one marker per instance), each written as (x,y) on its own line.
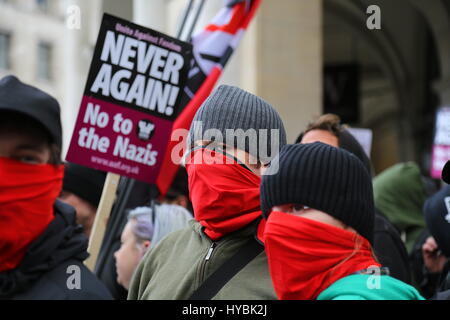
(324,178)
(84,182)
(446,172)
(348,142)
(22,98)
(437,216)
(230,108)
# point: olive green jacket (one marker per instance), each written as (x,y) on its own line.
(182,261)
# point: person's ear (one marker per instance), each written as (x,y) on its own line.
(146,245)
(143,247)
(182,201)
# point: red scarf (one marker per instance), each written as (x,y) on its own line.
(224,195)
(307,256)
(27,195)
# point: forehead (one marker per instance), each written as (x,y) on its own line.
(19,126)
(127,231)
(22,136)
(318,135)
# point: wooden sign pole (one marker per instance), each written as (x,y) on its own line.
(101,218)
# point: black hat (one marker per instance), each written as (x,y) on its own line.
(20,97)
(84,182)
(437,216)
(325,178)
(348,142)
(446,173)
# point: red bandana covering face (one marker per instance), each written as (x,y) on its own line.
(27,195)
(307,256)
(224,194)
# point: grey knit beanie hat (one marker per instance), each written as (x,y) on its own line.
(239,119)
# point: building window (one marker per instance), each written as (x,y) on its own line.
(44,61)
(5,48)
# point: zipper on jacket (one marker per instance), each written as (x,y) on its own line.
(210,251)
(201,273)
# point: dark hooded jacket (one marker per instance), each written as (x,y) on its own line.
(437,216)
(387,244)
(53,268)
(399,193)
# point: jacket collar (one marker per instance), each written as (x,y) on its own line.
(245,232)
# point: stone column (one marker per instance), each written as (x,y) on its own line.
(120,8)
(79,45)
(150,13)
(287,58)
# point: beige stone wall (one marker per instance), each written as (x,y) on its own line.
(288,68)
(279,58)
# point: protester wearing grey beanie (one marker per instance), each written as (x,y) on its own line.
(236,128)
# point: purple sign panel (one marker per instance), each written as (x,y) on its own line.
(130,100)
(441,144)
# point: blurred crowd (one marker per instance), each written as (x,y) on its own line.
(308,220)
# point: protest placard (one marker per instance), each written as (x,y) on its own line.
(364,137)
(441,144)
(127,110)
(130,100)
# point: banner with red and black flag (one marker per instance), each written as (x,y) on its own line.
(212,48)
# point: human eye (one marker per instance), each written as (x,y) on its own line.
(29,158)
(63,194)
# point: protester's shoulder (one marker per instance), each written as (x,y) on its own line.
(370,287)
(180,236)
(442,295)
(91,288)
(45,288)
(387,238)
(70,280)
(347,297)
(64,209)
(173,244)
(382,224)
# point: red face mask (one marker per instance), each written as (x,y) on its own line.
(307,256)
(224,195)
(27,195)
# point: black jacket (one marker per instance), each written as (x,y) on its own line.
(390,249)
(430,285)
(50,268)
